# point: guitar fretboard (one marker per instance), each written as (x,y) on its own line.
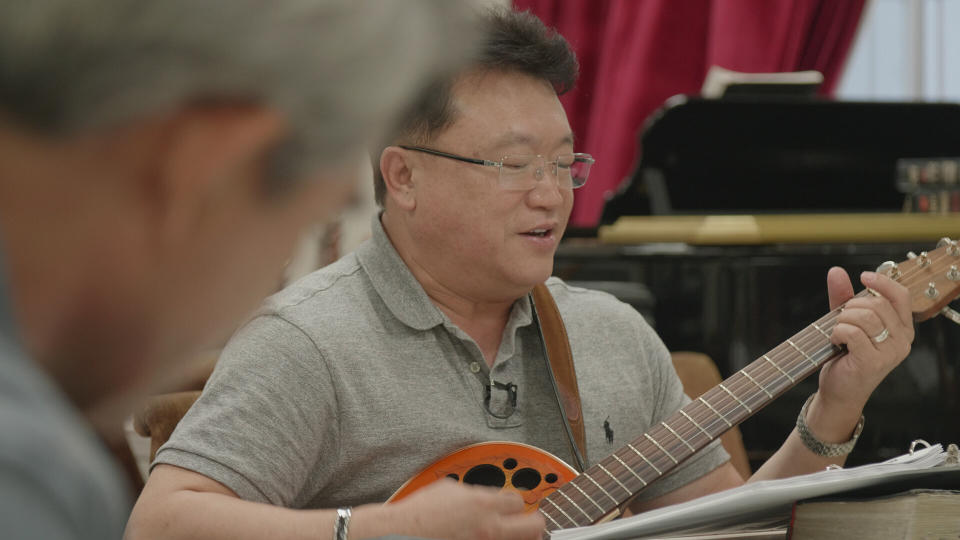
(618,478)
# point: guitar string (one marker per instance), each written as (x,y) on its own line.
(795,360)
(731,407)
(908,278)
(800,340)
(659,433)
(678,448)
(767,378)
(929,271)
(912,276)
(737,384)
(727,406)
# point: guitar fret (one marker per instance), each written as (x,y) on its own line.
(615,479)
(546,515)
(817,326)
(624,463)
(577,506)
(677,435)
(589,498)
(662,449)
(760,386)
(740,401)
(590,478)
(801,351)
(705,432)
(716,412)
(774,364)
(566,515)
(650,463)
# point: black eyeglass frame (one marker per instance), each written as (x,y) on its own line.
(577,156)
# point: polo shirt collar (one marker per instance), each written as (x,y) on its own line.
(393,281)
(403,294)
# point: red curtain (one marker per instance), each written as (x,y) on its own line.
(634,54)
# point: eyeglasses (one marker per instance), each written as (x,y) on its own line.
(522,172)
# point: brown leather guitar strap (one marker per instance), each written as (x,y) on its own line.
(556,349)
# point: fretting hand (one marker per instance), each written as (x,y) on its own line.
(877,331)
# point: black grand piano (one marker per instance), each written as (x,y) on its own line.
(701,156)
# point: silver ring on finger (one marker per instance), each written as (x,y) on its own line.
(881,337)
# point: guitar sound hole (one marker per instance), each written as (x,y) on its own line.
(551,478)
(509,464)
(526,479)
(485,475)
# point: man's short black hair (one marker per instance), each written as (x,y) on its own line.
(513,42)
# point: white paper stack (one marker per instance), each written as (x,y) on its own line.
(765,502)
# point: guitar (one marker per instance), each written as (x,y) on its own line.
(566,499)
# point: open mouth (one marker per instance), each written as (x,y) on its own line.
(538,232)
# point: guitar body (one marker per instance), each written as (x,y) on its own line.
(521,468)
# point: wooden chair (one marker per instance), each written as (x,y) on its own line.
(160,414)
(699,373)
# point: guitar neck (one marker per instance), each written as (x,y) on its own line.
(614,481)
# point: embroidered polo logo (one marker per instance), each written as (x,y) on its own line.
(607,430)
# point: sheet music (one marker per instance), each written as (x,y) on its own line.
(762,499)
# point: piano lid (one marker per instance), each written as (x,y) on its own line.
(761,156)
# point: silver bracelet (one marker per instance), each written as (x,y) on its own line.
(342,525)
(819,447)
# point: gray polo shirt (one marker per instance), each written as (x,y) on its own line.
(350,381)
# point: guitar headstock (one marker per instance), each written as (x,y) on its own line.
(933,278)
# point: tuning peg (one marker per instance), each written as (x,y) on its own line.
(923,260)
(889,268)
(951,314)
(953,274)
(932,291)
(953,250)
(911,255)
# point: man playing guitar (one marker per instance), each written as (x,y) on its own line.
(422,342)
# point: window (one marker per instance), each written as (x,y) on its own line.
(905,50)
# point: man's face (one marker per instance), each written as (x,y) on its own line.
(493,240)
(174,246)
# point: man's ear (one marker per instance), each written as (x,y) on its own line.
(209,155)
(397,171)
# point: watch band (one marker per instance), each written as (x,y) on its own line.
(819,447)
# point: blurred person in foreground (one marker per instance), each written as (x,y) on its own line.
(422,341)
(157,161)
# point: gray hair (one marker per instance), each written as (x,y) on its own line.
(337,70)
